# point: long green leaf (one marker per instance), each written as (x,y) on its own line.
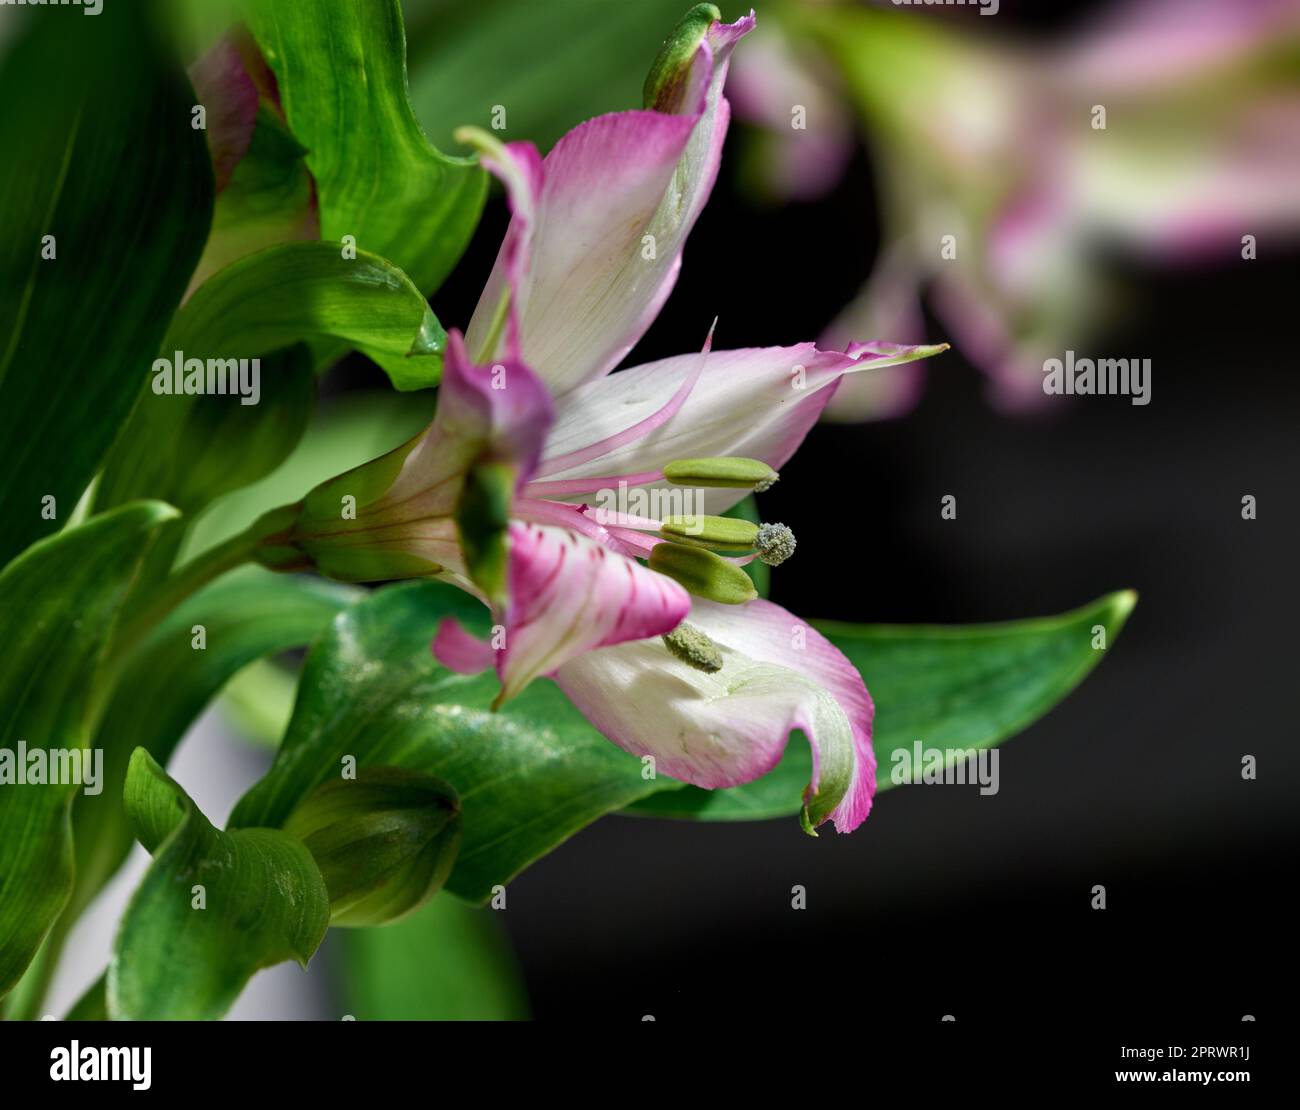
(123,184)
(58,605)
(961,687)
(168,681)
(341,72)
(180,447)
(213,908)
(528,776)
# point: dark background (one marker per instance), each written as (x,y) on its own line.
(946,902)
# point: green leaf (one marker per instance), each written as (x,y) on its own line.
(528,776)
(179,447)
(59,602)
(341,71)
(344,433)
(124,185)
(550,66)
(245,615)
(213,908)
(446,962)
(268,199)
(962,687)
(91,1006)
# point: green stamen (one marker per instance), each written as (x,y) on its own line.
(717,533)
(703,573)
(721,473)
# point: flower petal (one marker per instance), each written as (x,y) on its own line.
(596,238)
(230,98)
(757,403)
(731,727)
(568,595)
(770,80)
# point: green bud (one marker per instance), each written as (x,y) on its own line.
(666,82)
(693,647)
(718,533)
(721,473)
(703,573)
(385,841)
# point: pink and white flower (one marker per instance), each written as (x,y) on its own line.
(532,428)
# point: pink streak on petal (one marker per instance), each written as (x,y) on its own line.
(638,430)
(578,486)
(565,515)
(570,595)
(756,403)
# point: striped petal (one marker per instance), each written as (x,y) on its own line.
(758,403)
(568,595)
(731,727)
(597,231)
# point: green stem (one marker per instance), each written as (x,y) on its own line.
(195,574)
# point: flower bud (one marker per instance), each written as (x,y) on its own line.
(668,82)
(385,841)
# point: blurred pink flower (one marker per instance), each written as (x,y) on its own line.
(996,144)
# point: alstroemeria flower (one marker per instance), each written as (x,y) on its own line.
(541,483)
(994,145)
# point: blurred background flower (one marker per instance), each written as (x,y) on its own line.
(1010,173)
